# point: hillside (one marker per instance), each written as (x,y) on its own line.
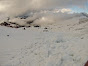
(62,43)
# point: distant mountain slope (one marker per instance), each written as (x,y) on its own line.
(42,19)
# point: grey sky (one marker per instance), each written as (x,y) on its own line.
(15,7)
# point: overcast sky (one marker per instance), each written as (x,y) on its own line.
(14,7)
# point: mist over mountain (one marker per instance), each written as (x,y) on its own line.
(42,18)
(38,12)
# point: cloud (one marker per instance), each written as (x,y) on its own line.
(18,7)
(65,10)
(44,18)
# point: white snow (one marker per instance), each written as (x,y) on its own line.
(62,44)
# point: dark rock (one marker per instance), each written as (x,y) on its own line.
(12,23)
(7,35)
(8,18)
(24,28)
(30,22)
(11,26)
(17,27)
(45,28)
(4,24)
(23,17)
(29,26)
(21,26)
(36,26)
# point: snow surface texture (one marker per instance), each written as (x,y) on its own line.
(64,43)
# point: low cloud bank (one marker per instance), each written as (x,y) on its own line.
(40,18)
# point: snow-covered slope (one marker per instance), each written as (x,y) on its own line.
(64,43)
